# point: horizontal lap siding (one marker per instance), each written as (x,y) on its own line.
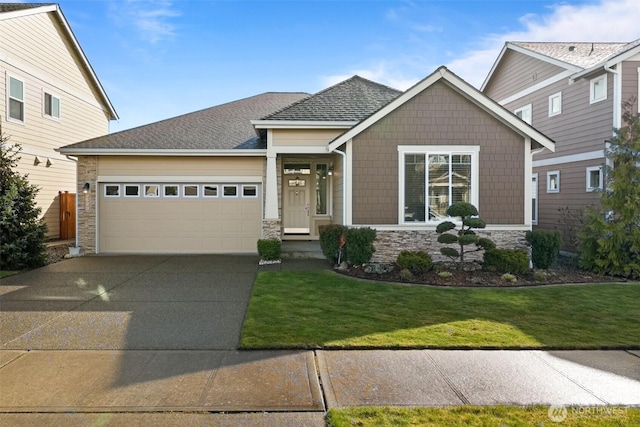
(194,166)
(320,137)
(630,81)
(438,116)
(518,72)
(36,54)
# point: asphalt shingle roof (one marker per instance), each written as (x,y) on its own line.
(10,7)
(223,127)
(583,55)
(351,100)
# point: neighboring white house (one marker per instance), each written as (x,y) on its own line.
(49,97)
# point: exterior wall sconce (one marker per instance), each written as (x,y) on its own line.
(330,171)
(86,187)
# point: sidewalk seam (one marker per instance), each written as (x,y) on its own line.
(320,383)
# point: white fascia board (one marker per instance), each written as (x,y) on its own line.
(545,58)
(495,65)
(286,124)
(608,64)
(152,152)
(464,89)
(528,91)
(29,11)
(591,155)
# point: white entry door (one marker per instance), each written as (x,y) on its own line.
(296,215)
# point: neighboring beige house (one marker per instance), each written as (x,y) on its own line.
(572,92)
(49,96)
(281,164)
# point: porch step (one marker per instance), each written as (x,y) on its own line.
(307,249)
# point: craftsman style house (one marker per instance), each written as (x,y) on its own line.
(282,164)
(573,93)
(49,96)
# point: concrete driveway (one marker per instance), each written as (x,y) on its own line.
(128,303)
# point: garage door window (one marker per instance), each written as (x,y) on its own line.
(131,191)
(210,191)
(112,191)
(230,191)
(190,190)
(171,191)
(249,191)
(151,190)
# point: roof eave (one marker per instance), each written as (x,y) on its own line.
(606,65)
(302,124)
(71,151)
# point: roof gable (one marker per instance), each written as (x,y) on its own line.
(349,101)
(442,74)
(16,11)
(223,127)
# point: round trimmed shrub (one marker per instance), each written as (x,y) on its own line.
(414,261)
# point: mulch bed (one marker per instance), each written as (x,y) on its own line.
(564,272)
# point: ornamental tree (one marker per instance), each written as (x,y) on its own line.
(22,234)
(465,238)
(609,243)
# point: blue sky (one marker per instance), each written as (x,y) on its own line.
(159,59)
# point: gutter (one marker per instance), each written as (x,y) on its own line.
(156,152)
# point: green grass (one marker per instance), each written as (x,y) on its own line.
(7,273)
(320,309)
(474,416)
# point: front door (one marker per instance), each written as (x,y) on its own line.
(297,182)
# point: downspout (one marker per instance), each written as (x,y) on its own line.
(617,103)
(344,186)
(75,160)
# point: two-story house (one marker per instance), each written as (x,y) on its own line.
(572,92)
(49,96)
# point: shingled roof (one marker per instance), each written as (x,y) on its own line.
(223,127)
(11,7)
(583,55)
(351,100)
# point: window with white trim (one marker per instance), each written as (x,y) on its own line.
(555,104)
(553,182)
(534,198)
(249,191)
(598,91)
(16,99)
(594,178)
(112,190)
(190,190)
(525,113)
(151,190)
(432,178)
(171,190)
(131,190)
(51,106)
(210,191)
(229,191)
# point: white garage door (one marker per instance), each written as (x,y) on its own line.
(179,218)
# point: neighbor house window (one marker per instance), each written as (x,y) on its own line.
(524,113)
(210,191)
(555,104)
(190,190)
(151,190)
(249,191)
(594,178)
(16,99)
(553,182)
(598,89)
(171,190)
(51,106)
(229,191)
(112,190)
(433,178)
(131,190)
(534,198)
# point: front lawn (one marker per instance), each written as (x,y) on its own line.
(319,309)
(469,416)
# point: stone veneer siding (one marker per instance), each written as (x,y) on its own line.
(271,229)
(86,211)
(389,244)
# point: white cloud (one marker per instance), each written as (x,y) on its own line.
(150,18)
(604,21)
